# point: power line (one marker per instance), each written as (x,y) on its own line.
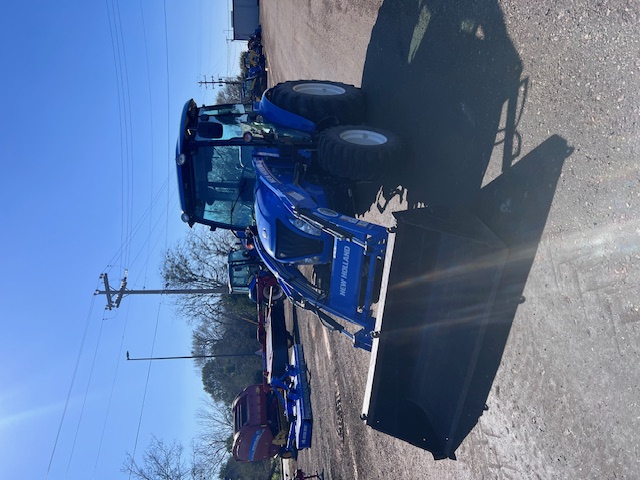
(129,132)
(125,243)
(84,400)
(73,380)
(146,385)
(166,47)
(146,54)
(124,108)
(113,386)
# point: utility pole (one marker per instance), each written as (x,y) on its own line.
(122,291)
(220,82)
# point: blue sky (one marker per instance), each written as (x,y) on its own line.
(91,95)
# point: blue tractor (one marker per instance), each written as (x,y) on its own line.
(278,173)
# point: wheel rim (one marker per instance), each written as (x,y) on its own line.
(277,292)
(323,89)
(363,137)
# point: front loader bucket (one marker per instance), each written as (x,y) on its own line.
(425,383)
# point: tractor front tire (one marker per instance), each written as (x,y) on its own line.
(360,153)
(316,100)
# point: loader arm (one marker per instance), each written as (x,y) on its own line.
(353,248)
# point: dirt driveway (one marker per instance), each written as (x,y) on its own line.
(528,113)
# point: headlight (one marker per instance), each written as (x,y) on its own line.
(305,227)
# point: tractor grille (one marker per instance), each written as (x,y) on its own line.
(290,244)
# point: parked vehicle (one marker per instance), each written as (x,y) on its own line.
(296,170)
(254,85)
(248,275)
(255,77)
(274,417)
(279,174)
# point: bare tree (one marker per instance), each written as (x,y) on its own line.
(198,261)
(231,92)
(210,449)
(214,441)
(165,462)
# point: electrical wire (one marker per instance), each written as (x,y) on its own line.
(118,255)
(84,400)
(126,128)
(147,240)
(116,58)
(146,385)
(129,174)
(73,380)
(113,387)
(146,54)
(166,47)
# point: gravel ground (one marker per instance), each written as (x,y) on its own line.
(537,103)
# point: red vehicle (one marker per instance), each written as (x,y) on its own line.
(260,426)
(274,417)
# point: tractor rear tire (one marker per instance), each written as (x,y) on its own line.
(360,153)
(316,100)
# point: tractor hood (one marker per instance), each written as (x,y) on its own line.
(284,237)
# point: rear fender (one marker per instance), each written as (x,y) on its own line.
(278,116)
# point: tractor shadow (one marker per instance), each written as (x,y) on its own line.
(441,74)
(446,76)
